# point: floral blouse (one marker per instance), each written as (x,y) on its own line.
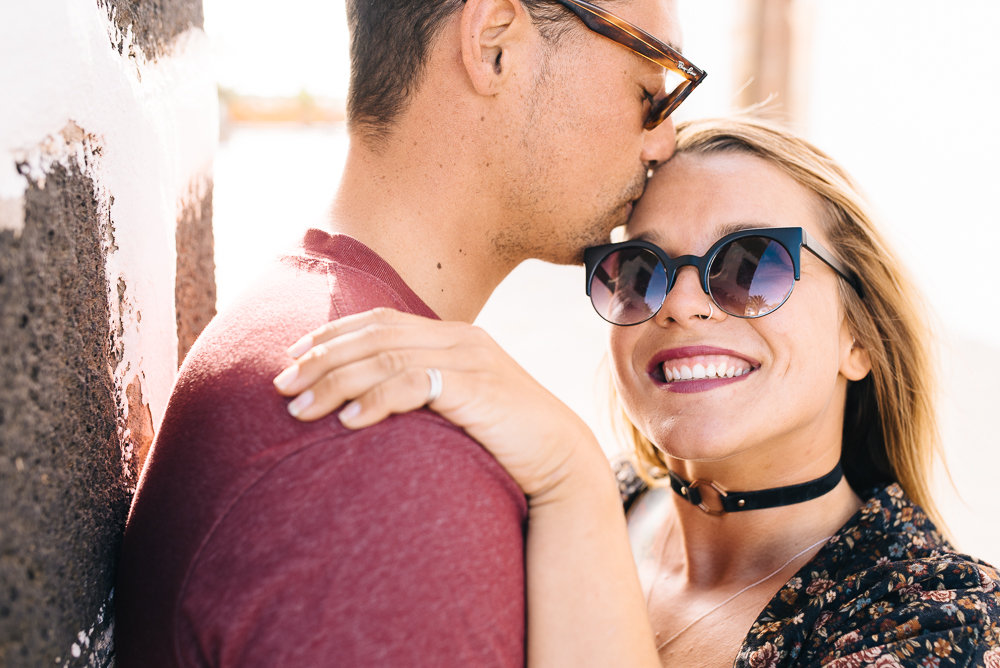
(887,590)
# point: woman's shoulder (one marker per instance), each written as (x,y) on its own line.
(630,485)
(941,609)
(887,588)
(892,537)
(645,507)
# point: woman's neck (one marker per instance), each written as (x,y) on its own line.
(737,548)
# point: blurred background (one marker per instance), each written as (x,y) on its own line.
(904,93)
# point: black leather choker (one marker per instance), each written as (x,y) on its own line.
(732,502)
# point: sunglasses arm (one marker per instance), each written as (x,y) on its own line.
(817,249)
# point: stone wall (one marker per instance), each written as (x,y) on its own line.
(107,132)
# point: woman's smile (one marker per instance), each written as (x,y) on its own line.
(698,368)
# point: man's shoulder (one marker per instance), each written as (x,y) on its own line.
(336,485)
(246,515)
(406,524)
(329,278)
(224,388)
(229,432)
(242,525)
(225,423)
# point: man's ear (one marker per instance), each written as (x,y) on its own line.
(490,30)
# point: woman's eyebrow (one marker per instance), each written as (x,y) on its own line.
(651,237)
(732,228)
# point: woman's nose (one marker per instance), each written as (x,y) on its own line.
(686,302)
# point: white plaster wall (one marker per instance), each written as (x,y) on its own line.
(156,124)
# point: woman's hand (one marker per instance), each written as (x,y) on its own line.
(378,361)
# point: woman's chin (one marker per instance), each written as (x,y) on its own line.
(698,449)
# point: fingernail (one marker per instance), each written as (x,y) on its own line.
(300,347)
(300,403)
(285,378)
(349,412)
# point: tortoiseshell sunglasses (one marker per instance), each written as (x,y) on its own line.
(641,42)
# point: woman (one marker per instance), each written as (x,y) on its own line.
(784,436)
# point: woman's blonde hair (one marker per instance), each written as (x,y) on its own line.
(890,427)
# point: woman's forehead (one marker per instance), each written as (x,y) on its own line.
(705,196)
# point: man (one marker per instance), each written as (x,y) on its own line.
(482,133)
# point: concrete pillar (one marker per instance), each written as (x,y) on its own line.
(107,132)
(764,63)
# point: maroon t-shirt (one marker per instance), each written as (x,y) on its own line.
(258,540)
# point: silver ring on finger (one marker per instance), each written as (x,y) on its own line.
(436,384)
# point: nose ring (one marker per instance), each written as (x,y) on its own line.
(711,310)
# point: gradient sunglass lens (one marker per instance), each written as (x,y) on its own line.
(751,277)
(748,277)
(628,286)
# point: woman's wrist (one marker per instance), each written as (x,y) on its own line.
(583,474)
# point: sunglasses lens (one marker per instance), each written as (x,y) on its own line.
(751,277)
(628,286)
(679,88)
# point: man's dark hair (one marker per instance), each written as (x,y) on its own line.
(390,41)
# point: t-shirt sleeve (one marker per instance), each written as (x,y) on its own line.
(400,544)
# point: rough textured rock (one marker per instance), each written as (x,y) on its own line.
(153,23)
(86,222)
(194,288)
(64,490)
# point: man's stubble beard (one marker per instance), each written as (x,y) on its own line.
(565,243)
(530,200)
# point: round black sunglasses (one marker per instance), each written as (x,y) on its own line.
(747,274)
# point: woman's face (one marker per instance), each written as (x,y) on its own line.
(788,406)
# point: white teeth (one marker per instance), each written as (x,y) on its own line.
(699,371)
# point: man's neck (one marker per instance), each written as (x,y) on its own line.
(428,221)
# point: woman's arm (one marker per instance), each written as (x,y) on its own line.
(585,606)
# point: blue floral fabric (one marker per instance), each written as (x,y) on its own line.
(886,591)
